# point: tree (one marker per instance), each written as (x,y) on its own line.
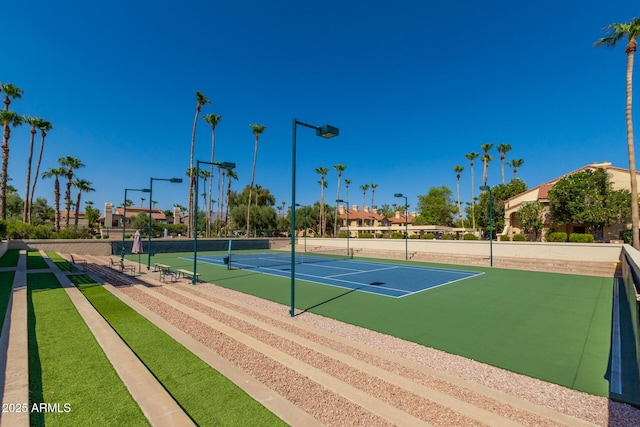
(503,149)
(141,221)
(70,164)
(436,207)
(364,189)
(42,212)
(486,158)
(200,101)
(531,217)
(44,127)
(587,198)
(8,119)
(231,174)
(615,33)
(500,193)
(257,131)
(34,122)
(515,164)
(340,168)
(91,214)
(471,157)
(323,221)
(55,173)
(458,170)
(10,92)
(212,120)
(373,193)
(347,182)
(83,186)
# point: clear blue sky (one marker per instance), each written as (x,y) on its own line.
(412,85)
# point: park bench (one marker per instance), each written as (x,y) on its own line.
(80,263)
(121,267)
(187,274)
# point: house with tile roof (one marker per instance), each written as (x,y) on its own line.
(619,178)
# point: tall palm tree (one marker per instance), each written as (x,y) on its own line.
(200,101)
(8,119)
(515,164)
(257,131)
(205,175)
(364,189)
(70,164)
(83,186)
(458,170)
(373,193)
(615,33)
(212,120)
(340,168)
(503,149)
(472,156)
(322,172)
(44,127)
(231,174)
(486,158)
(34,122)
(55,173)
(10,92)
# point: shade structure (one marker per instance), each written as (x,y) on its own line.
(137,247)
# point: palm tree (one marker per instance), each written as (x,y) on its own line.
(205,175)
(257,131)
(458,170)
(83,186)
(340,168)
(322,172)
(364,189)
(44,127)
(8,119)
(231,174)
(10,92)
(55,173)
(34,122)
(503,149)
(70,164)
(213,121)
(615,33)
(347,182)
(200,101)
(472,156)
(486,158)
(515,164)
(373,192)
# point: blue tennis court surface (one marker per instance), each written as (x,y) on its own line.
(393,280)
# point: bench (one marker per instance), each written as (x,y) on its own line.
(167,273)
(79,262)
(121,267)
(187,273)
(159,267)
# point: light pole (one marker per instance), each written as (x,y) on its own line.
(172,180)
(124,214)
(225,165)
(487,188)
(325,131)
(406,225)
(304,224)
(346,209)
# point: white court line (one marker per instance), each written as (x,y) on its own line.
(615,385)
(362,271)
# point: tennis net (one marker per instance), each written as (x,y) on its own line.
(274,259)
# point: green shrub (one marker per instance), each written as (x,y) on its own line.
(449,236)
(414,236)
(504,238)
(396,235)
(342,235)
(365,236)
(428,236)
(18,230)
(97,236)
(627,236)
(379,235)
(557,236)
(581,238)
(73,232)
(3,230)
(470,236)
(520,238)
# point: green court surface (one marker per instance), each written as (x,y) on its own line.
(555,327)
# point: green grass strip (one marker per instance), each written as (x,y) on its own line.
(61,263)
(6,283)
(35,261)
(10,258)
(67,365)
(208,397)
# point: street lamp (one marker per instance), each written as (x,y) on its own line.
(124,214)
(325,131)
(171,180)
(225,165)
(347,209)
(406,225)
(487,188)
(304,224)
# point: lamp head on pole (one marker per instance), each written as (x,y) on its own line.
(398,195)
(339,201)
(327,131)
(485,188)
(175,180)
(227,165)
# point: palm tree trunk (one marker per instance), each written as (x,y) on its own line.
(68,197)
(459,205)
(502,166)
(635,217)
(25,210)
(56,198)
(323,219)
(5,167)
(335,215)
(484,171)
(213,147)
(253,173)
(35,178)
(75,220)
(473,199)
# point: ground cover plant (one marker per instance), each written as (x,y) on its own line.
(10,258)
(207,396)
(35,261)
(67,365)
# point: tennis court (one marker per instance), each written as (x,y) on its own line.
(339,269)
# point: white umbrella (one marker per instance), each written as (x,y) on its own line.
(137,247)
